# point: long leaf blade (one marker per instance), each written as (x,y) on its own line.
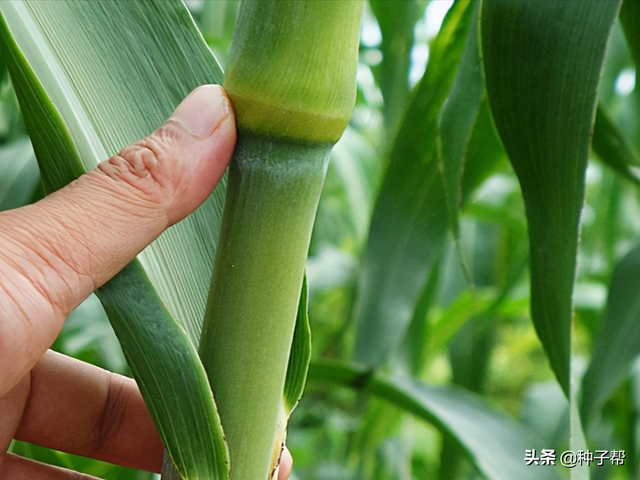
(457,119)
(409,222)
(168,371)
(542,87)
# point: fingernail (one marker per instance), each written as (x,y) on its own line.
(203,110)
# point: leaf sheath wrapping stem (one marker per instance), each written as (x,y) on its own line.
(272,196)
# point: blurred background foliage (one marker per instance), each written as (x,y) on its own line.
(476,335)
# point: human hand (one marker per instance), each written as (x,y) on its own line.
(55,253)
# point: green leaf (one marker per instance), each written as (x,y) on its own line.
(85,94)
(412,353)
(18,174)
(470,353)
(464,416)
(379,421)
(168,371)
(300,354)
(409,223)
(630,19)
(393,459)
(457,119)
(11,124)
(4,73)
(397,21)
(617,344)
(55,151)
(466,306)
(484,156)
(613,148)
(542,63)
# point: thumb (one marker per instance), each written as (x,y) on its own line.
(54,253)
(172,171)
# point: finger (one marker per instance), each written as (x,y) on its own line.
(18,468)
(12,407)
(286,464)
(78,408)
(54,253)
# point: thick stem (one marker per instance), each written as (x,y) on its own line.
(272,196)
(291,76)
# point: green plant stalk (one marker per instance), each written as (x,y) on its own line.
(273,191)
(292,67)
(291,77)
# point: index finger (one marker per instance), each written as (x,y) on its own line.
(84,410)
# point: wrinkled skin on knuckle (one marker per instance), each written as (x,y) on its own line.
(151,167)
(113,414)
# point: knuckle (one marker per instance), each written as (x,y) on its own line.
(139,166)
(148,165)
(113,414)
